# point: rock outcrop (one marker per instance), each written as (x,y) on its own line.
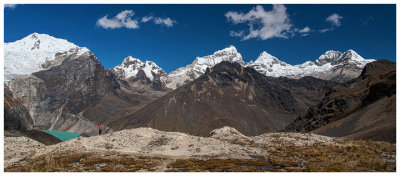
(16,116)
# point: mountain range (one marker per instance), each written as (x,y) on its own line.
(233,95)
(65,87)
(31,54)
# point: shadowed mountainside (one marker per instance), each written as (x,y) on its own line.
(229,95)
(363,108)
(74,93)
(16,116)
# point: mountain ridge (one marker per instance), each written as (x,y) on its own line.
(332,65)
(363,108)
(229,94)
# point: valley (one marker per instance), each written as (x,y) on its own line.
(219,113)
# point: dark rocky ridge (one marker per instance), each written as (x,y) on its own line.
(363,108)
(229,95)
(16,116)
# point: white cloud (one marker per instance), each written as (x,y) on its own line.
(145,19)
(122,19)
(165,21)
(334,19)
(325,30)
(366,21)
(236,34)
(158,20)
(305,30)
(11,6)
(262,24)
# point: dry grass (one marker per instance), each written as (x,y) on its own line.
(352,156)
(85,162)
(219,165)
(346,155)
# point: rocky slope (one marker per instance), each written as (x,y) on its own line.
(57,96)
(363,108)
(229,94)
(16,116)
(28,55)
(226,149)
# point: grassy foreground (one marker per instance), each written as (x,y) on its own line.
(356,156)
(349,156)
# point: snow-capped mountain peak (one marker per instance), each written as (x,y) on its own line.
(198,67)
(338,58)
(41,42)
(330,65)
(130,67)
(129,60)
(269,65)
(228,54)
(329,57)
(268,59)
(28,55)
(352,55)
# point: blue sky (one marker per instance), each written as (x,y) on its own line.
(173,35)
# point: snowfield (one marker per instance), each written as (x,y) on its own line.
(27,55)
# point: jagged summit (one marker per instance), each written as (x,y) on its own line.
(228,54)
(198,67)
(131,67)
(328,57)
(28,55)
(269,65)
(266,58)
(332,65)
